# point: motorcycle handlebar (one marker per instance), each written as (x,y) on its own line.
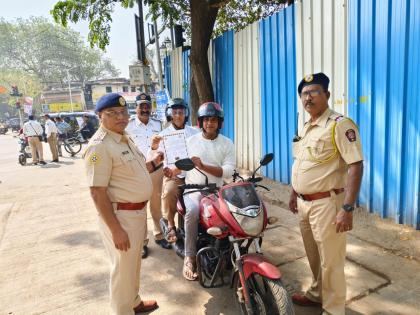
(197,186)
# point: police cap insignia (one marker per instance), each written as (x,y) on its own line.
(317,78)
(351,135)
(122,101)
(308,78)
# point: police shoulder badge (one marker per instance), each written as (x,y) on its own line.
(94,158)
(351,135)
(308,78)
(122,101)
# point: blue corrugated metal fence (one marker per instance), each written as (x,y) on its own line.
(223,80)
(278,91)
(384,70)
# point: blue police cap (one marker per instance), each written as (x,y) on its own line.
(143,98)
(316,78)
(110,100)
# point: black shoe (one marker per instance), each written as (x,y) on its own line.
(55,161)
(42,163)
(163,243)
(144,252)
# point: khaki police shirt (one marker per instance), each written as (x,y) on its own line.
(112,160)
(311,173)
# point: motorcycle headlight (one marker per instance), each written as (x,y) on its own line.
(250,211)
(251,218)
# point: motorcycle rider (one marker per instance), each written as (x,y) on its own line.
(214,155)
(177,113)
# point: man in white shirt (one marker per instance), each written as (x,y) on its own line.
(141,129)
(33,131)
(214,155)
(177,113)
(51,131)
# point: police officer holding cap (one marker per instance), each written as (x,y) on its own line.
(326,176)
(120,186)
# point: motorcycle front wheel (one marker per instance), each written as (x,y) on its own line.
(22,159)
(268,296)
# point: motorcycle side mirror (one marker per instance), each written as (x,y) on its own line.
(185,164)
(267,159)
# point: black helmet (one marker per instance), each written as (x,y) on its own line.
(176,103)
(210,109)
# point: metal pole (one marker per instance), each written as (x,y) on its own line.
(172,36)
(71,99)
(141,29)
(158,55)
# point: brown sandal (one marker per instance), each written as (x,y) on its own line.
(170,235)
(188,270)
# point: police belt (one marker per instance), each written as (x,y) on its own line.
(320,195)
(130,206)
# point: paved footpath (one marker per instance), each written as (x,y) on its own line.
(52,260)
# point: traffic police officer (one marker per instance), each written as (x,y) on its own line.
(326,177)
(120,186)
(143,129)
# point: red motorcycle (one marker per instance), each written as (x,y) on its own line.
(232,218)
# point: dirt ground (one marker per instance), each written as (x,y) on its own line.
(52,260)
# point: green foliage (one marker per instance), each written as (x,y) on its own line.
(233,14)
(45,50)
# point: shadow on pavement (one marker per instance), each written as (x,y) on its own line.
(88,238)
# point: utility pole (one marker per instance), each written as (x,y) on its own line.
(68,80)
(158,55)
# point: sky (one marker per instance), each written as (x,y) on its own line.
(122,48)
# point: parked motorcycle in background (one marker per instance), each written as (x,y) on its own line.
(232,218)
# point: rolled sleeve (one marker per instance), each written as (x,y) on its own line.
(348,142)
(98,166)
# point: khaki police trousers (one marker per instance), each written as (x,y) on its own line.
(326,251)
(154,205)
(36,149)
(170,194)
(52,141)
(125,266)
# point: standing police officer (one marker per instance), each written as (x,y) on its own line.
(326,177)
(120,186)
(143,130)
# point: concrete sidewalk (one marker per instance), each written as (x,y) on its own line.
(52,260)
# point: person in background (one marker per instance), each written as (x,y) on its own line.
(33,131)
(51,132)
(142,128)
(63,129)
(87,129)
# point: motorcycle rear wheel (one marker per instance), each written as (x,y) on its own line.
(268,296)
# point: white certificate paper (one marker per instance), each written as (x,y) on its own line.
(175,147)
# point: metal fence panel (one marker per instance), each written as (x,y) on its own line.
(167,70)
(223,80)
(278,91)
(384,67)
(186,75)
(176,73)
(247,97)
(321,46)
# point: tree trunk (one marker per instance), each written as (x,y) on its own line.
(194,101)
(203,17)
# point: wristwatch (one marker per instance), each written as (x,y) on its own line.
(348,208)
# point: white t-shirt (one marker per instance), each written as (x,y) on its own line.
(218,152)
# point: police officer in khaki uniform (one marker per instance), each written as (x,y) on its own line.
(326,177)
(120,186)
(143,130)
